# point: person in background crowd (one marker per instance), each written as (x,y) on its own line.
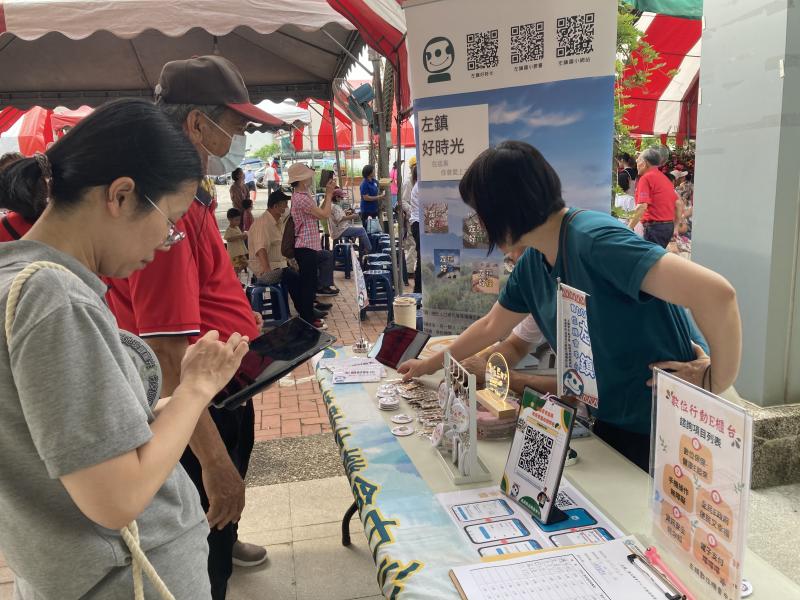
(370,195)
(85,448)
(629,281)
(16,224)
(625,163)
(247,215)
(306,215)
(624,200)
(238,189)
(393,182)
(413,218)
(656,205)
(685,190)
(340,224)
(234,238)
(250,183)
(192,290)
(266,261)
(270,177)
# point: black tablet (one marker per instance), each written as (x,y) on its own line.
(271,356)
(398,344)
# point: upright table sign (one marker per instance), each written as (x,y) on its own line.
(536,460)
(702,450)
(576,376)
(539,72)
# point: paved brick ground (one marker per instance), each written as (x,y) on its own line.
(294,407)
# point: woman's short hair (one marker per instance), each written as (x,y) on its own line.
(513,189)
(236,173)
(367,171)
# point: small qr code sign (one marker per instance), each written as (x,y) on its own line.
(536,460)
(527,43)
(575,35)
(483,50)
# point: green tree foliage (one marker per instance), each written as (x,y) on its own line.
(268,151)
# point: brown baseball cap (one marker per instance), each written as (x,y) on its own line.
(210,80)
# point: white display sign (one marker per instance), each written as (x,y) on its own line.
(450,139)
(362,299)
(575,372)
(521,43)
(702,452)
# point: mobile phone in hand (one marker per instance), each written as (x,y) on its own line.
(325,176)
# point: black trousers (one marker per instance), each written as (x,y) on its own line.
(659,233)
(365,217)
(633,446)
(307,261)
(236,430)
(418,270)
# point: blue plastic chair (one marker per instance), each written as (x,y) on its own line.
(269,301)
(343,258)
(380,293)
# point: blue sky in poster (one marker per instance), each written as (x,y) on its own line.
(568,121)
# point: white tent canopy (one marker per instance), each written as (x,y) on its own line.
(287,111)
(73,52)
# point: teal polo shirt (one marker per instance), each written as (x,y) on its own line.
(629,329)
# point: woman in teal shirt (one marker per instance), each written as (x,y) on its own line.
(637,291)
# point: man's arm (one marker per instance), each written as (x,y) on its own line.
(637,215)
(221,479)
(263,260)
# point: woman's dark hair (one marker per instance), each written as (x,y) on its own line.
(513,189)
(247,203)
(413,174)
(627,159)
(367,171)
(124,138)
(233,213)
(671,177)
(623,180)
(237,172)
(8,158)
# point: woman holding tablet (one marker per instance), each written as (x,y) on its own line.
(84,454)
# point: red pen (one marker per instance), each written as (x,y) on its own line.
(652,555)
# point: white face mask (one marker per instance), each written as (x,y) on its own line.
(220,165)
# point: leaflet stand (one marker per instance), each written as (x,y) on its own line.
(461,460)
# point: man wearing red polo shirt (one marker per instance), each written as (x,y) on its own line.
(656,200)
(192,289)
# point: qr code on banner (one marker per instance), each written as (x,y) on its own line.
(575,35)
(535,455)
(482,50)
(527,43)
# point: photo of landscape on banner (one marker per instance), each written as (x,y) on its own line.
(541,73)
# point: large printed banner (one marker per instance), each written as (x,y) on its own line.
(540,72)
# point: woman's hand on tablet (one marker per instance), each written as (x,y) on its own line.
(209,364)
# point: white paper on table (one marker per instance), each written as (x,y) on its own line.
(489,504)
(585,573)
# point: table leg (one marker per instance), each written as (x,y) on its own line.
(346,524)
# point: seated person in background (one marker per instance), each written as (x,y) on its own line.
(266,261)
(340,224)
(234,239)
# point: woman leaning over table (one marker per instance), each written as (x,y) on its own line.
(84,454)
(638,294)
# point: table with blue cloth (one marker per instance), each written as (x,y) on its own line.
(414,543)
